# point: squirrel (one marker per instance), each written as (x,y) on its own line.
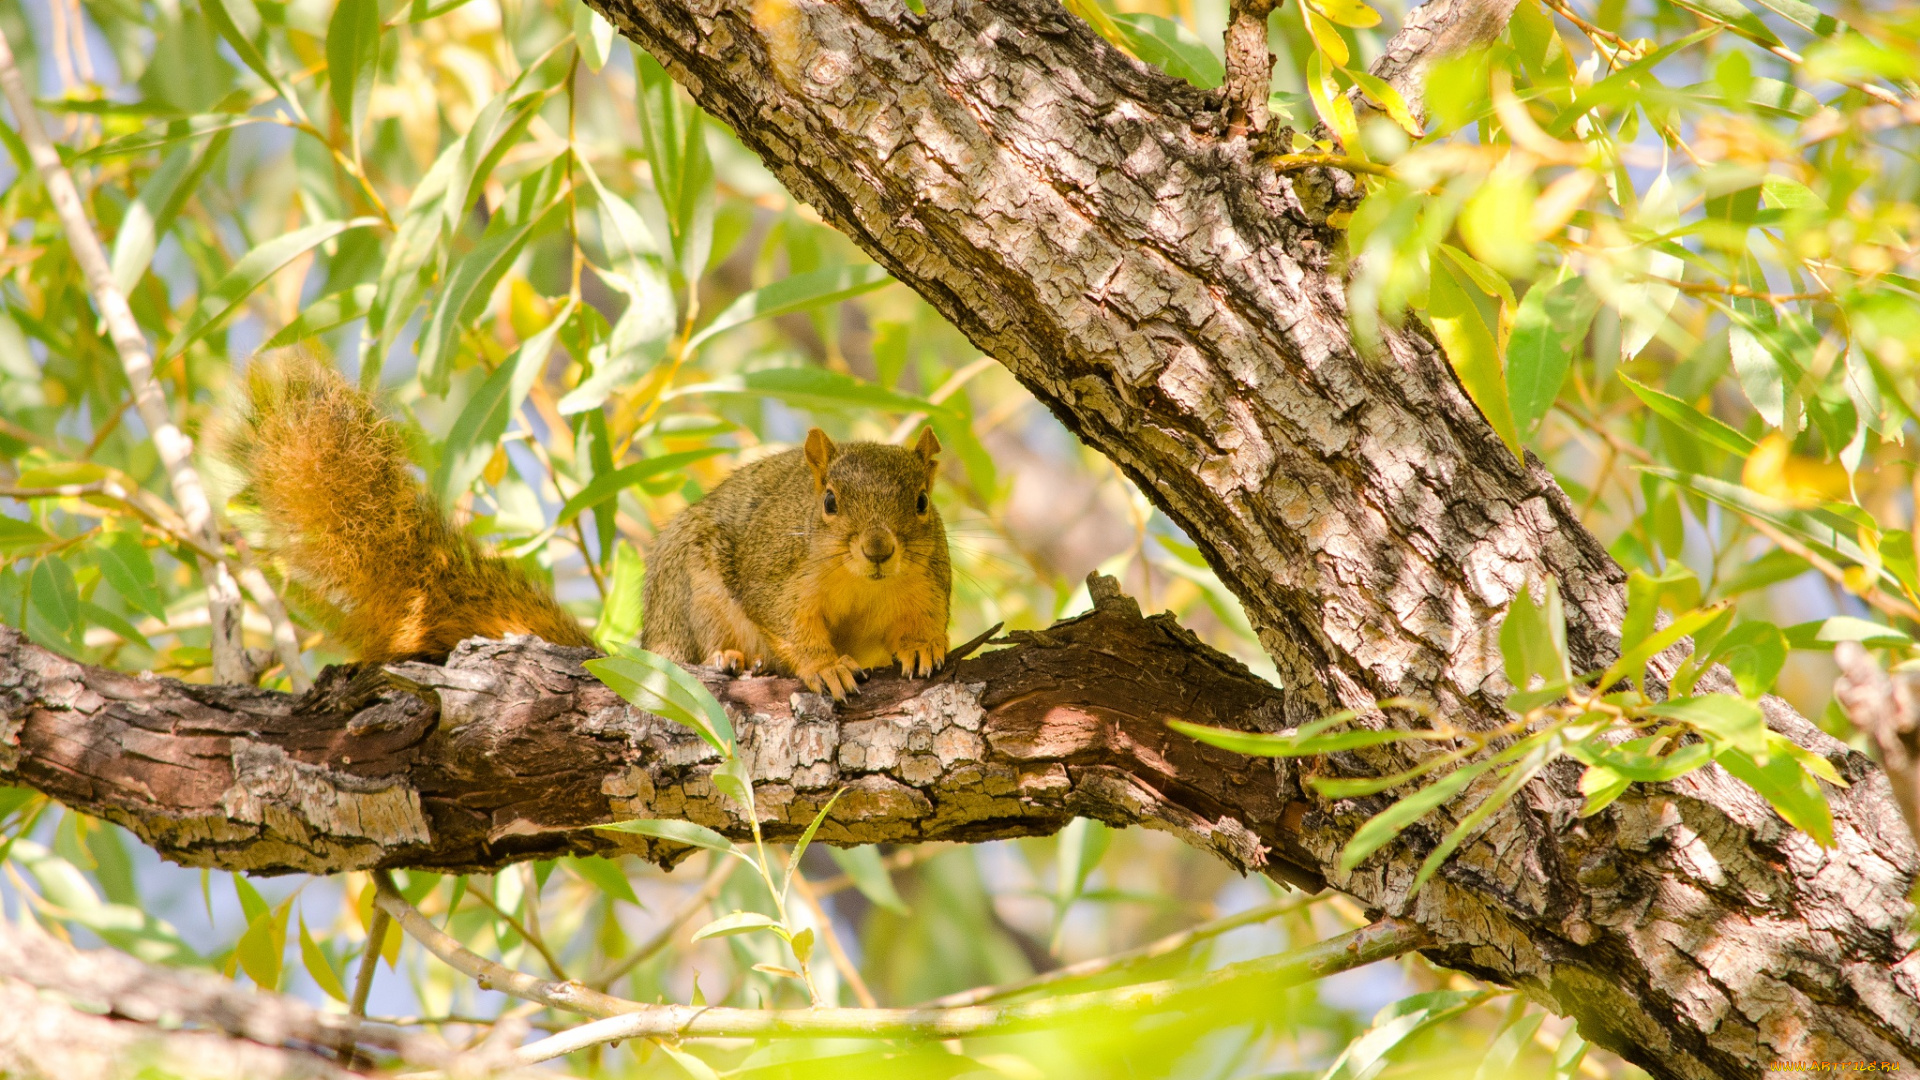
(819,562)
(384,571)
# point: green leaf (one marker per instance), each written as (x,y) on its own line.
(484,418)
(1480,275)
(353,57)
(603,874)
(869,873)
(263,946)
(1352,13)
(128,567)
(1601,786)
(1538,758)
(1754,652)
(619,622)
(1784,782)
(801,292)
(1497,1064)
(739,922)
(1471,349)
(689,1064)
(319,968)
(1675,588)
(680,832)
(1735,16)
(238,21)
(1548,329)
(609,485)
(1533,639)
(1632,664)
(324,314)
(1723,718)
(1691,420)
(95,615)
(56,597)
(1775,566)
(469,283)
(153,138)
(1381,93)
(660,686)
(1365,1056)
(593,35)
(1383,827)
(22,538)
(1824,634)
(1171,47)
(122,926)
(806,838)
(252,271)
(154,210)
(1635,759)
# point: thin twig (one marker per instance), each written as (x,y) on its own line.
(693,905)
(1105,965)
(830,937)
(531,937)
(1226,987)
(175,448)
(363,979)
(1874,595)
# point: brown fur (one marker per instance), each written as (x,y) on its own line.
(758,574)
(343,512)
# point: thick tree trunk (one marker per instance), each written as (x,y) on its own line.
(1095,227)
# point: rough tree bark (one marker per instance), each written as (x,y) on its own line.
(1096,228)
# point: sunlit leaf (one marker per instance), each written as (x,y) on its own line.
(1471,349)
(801,292)
(353,52)
(739,922)
(1170,46)
(252,271)
(659,685)
(869,874)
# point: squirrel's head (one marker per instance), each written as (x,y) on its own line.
(874,502)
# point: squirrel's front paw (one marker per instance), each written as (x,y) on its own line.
(919,661)
(836,677)
(731,661)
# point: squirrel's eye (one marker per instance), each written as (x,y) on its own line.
(920,504)
(832,505)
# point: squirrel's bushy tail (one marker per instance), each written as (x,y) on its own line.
(353,527)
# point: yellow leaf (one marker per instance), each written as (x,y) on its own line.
(1325,37)
(1494,222)
(1382,93)
(1773,469)
(1471,349)
(1560,201)
(1348,13)
(1334,108)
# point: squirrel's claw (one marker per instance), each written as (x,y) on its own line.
(838,678)
(731,661)
(920,661)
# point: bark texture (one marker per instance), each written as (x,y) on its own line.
(1086,221)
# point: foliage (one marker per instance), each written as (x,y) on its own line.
(587,303)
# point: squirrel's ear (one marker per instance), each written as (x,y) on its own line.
(928,447)
(819,454)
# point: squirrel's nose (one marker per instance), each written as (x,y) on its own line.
(877,545)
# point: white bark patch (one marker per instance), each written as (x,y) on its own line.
(294,798)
